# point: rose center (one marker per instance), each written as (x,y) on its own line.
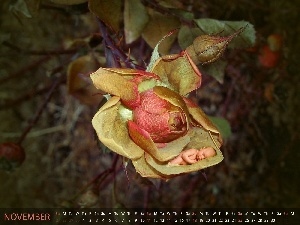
(176,121)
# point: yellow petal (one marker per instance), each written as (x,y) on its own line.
(112,130)
(179,72)
(172,97)
(200,138)
(143,168)
(201,118)
(112,81)
(169,151)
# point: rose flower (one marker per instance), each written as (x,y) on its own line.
(150,120)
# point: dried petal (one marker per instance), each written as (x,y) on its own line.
(112,82)
(178,72)
(112,130)
(162,120)
(201,118)
(145,170)
(199,139)
(172,97)
(143,139)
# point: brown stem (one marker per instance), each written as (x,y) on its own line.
(39,111)
(102,175)
(25,69)
(114,52)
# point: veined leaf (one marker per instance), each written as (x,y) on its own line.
(224,28)
(135,19)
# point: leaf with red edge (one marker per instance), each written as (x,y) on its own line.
(179,72)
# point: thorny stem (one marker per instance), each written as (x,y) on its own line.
(39,111)
(113,51)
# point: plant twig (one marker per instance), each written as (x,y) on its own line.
(96,179)
(113,51)
(39,111)
(25,69)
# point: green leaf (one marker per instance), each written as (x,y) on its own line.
(223,126)
(216,70)
(155,54)
(182,14)
(158,26)
(135,19)
(187,35)
(109,11)
(225,28)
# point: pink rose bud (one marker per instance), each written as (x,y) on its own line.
(162,120)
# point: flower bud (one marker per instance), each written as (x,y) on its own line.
(207,48)
(162,120)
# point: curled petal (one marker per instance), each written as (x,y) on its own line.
(168,169)
(200,118)
(145,170)
(112,82)
(179,72)
(164,121)
(143,139)
(112,130)
(191,156)
(199,139)
(172,97)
